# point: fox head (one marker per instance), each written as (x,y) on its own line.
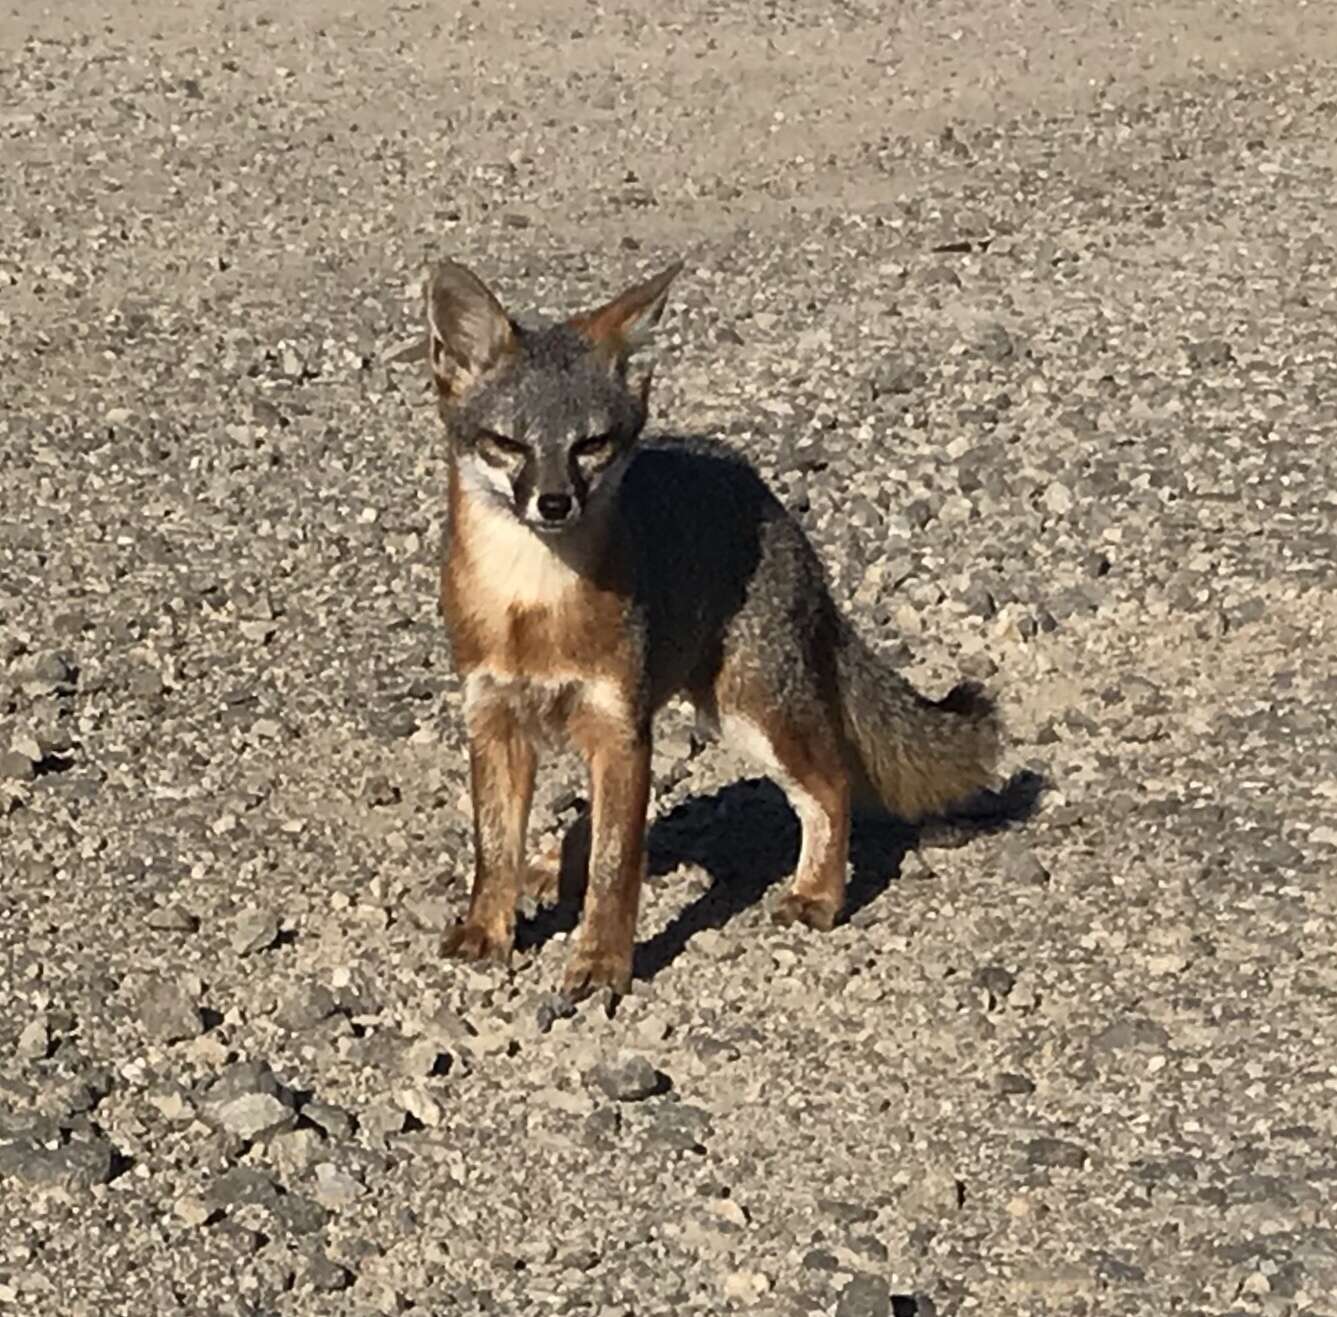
(542,421)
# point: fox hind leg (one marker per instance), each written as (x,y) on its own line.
(803,756)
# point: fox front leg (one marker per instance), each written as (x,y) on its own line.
(620,797)
(502,764)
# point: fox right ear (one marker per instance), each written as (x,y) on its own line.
(467,329)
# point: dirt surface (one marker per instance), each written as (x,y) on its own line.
(1027,309)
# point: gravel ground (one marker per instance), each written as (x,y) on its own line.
(1026,308)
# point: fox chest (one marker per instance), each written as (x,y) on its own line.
(548,708)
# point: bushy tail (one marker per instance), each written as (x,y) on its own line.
(914,756)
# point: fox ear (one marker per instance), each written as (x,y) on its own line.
(626,323)
(467,330)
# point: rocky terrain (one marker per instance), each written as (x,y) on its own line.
(1027,308)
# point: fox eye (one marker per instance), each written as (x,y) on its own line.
(498,449)
(593,449)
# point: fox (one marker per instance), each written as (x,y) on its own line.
(590,574)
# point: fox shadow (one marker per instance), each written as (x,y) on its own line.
(745,838)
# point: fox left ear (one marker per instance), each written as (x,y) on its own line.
(467,329)
(626,324)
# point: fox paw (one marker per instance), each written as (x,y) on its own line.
(542,879)
(814,911)
(590,969)
(468,941)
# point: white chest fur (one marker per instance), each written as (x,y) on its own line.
(512,567)
(545,705)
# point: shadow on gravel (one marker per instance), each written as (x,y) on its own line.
(746,838)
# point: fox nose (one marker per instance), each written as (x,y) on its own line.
(554,507)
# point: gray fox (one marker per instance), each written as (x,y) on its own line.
(588,577)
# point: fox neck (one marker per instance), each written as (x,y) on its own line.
(516,567)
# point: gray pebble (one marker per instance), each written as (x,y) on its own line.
(75,1167)
(243,1185)
(1023,867)
(335,1121)
(169,1013)
(864,1296)
(248,1101)
(35,1041)
(255,930)
(305,1006)
(627,1078)
(171,919)
(16,766)
(1136,1031)
(1056,1153)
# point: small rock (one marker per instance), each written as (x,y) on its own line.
(301,1215)
(553,1006)
(294,1152)
(864,1296)
(746,1286)
(996,981)
(918,513)
(1020,865)
(996,344)
(172,919)
(602,1126)
(335,1121)
(898,378)
(35,1040)
(979,600)
(420,1057)
(432,914)
(255,930)
(1209,352)
(979,665)
(1056,1153)
(383,1119)
(1133,1032)
(242,1186)
(336,1187)
(16,766)
(680,1126)
(1058,498)
(172,1104)
(248,1101)
(932,1194)
(424,1108)
(305,1007)
(378,791)
(74,1167)
(49,672)
(169,1014)
(628,1078)
(254,1115)
(1013,1085)
(323,1274)
(193,1211)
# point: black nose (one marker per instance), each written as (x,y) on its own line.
(554,507)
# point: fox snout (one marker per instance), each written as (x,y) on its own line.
(554,509)
(549,510)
